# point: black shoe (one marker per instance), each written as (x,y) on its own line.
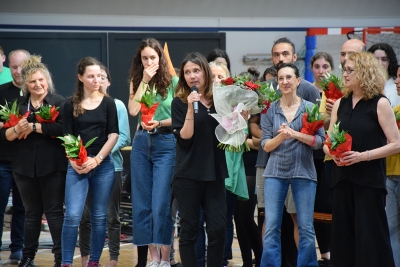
(57,264)
(323,262)
(26,262)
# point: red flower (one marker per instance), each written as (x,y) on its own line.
(251,85)
(228,81)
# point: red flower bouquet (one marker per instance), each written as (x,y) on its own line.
(332,86)
(312,120)
(338,141)
(47,114)
(148,104)
(266,93)
(75,149)
(11,117)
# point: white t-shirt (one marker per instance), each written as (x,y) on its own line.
(391,93)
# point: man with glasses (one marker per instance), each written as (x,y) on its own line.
(8,93)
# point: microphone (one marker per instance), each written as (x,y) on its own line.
(195,104)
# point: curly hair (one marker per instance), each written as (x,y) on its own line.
(183,89)
(32,65)
(391,55)
(78,95)
(162,79)
(369,74)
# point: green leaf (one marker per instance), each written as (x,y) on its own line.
(90,142)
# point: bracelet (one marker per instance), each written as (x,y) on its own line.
(145,82)
(15,130)
(100,156)
(369,157)
(313,141)
(159,124)
(96,161)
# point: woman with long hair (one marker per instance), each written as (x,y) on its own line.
(89,113)
(200,167)
(153,153)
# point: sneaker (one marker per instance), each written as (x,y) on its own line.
(26,262)
(15,256)
(152,264)
(323,262)
(164,264)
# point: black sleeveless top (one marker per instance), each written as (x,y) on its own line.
(363,126)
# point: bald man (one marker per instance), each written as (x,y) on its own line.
(8,93)
(350,46)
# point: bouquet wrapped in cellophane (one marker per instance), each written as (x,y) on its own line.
(231,97)
(311,120)
(338,141)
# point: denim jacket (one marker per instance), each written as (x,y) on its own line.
(292,158)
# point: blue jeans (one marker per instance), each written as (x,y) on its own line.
(275,191)
(152,166)
(18,212)
(393,215)
(100,182)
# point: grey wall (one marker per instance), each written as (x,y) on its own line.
(212,8)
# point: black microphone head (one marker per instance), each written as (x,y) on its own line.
(194,89)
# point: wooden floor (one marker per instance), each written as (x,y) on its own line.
(127,258)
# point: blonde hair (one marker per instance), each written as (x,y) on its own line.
(32,65)
(222,66)
(370,75)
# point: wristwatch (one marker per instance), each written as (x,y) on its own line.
(34,127)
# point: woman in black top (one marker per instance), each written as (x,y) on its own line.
(39,164)
(360,234)
(90,113)
(200,167)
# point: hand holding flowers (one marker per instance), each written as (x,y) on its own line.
(332,86)
(11,116)
(148,105)
(75,150)
(338,142)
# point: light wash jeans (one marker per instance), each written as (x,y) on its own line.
(152,166)
(393,215)
(100,182)
(275,192)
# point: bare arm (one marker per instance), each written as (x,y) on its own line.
(387,122)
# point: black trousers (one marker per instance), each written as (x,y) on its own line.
(360,232)
(191,195)
(323,203)
(42,195)
(248,233)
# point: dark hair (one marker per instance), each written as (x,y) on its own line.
(77,97)
(391,55)
(289,65)
(270,70)
(102,67)
(284,40)
(252,72)
(323,55)
(217,52)
(1,51)
(162,79)
(183,89)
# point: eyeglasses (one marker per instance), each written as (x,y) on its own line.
(103,78)
(288,78)
(347,71)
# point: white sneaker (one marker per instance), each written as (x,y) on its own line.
(153,264)
(164,264)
